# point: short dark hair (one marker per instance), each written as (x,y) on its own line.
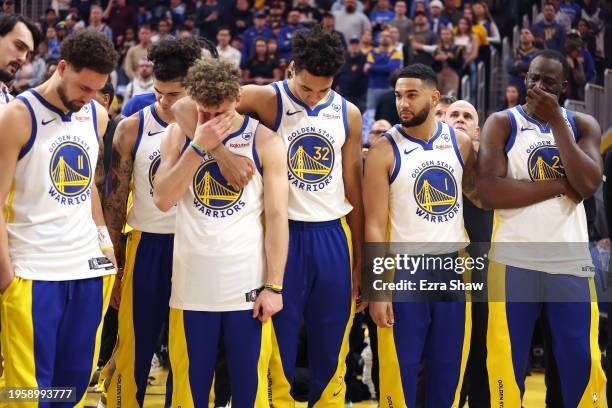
(553,55)
(8,21)
(172,57)
(109,89)
(91,50)
(447,99)
(318,52)
(419,71)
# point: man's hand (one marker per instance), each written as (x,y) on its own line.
(210,132)
(543,104)
(382,314)
(110,254)
(267,305)
(5,281)
(237,170)
(360,304)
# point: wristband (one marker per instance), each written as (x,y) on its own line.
(104,240)
(200,151)
(273,287)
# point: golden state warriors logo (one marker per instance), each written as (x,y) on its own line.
(70,172)
(545,164)
(153,169)
(435,192)
(310,159)
(213,195)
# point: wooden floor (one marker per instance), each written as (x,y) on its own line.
(534,394)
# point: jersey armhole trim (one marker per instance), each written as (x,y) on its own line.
(572,122)
(512,138)
(396,155)
(456,146)
(255,155)
(279,107)
(139,135)
(26,148)
(94,116)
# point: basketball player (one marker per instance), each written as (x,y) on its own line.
(19,37)
(145,284)
(322,136)
(536,164)
(420,153)
(56,267)
(231,245)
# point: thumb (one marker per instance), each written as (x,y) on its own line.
(201,117)
(256,308)
(390,313)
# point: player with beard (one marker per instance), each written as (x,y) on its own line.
(19,37)
(413,185)
(56,259)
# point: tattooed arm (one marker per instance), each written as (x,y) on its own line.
(99,177)
(468,155)
(119,176)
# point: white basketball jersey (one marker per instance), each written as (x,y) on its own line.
(425,197)
(52,235)
(5,95)
(533,156)
(219,256)
(144,215)
(314,140)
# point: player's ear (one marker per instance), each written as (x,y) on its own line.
(435,97)
(61,67)
(477,131)
(564,85)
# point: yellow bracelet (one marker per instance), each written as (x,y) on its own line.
(273,286)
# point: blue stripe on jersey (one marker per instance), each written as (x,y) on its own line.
(396,155)
(279,107)
(186,145)
(245,122)
(456,147)
(543,129)
(94,115)
(345,120)
(255,155)
(65,117)
(570,119)
(140,130)
(311,112)
(156,116)
(512,137)
(26,148)
(425,145)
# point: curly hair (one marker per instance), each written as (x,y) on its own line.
(91,50)
(318,52)
(210,82)
(172,58)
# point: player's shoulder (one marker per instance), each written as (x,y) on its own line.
(259,91)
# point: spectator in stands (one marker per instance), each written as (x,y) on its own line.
(420,6)
(576,78)
(177,12)
(71,21)
(442,106)
(381,15)
(225,50)
(259,29)
(465,38)
(143,16)
(52,44)
(185,32)
(587,36)
(260,69)
(386,107)
(286,35)
(136,52)
(351,22)
(381,62)
(61,31)
(308,14)
(552,32)
(587,58)
(513,97)
(366,44)
(572,10)
(329,25)
(521,59)
(423,42)
(377,131)
(38,67)
(403,23)
(339,5)
(50,20)
(242,17)
(483,17)
(591,13)
(449,63)
(96,23)
(437,20)
(352,82)
(451,13)
(560,18)
(8,6)
(208,19)
(163,31)
(275,14)
(119,16)
(143,82)
(395,40)
(274,54)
